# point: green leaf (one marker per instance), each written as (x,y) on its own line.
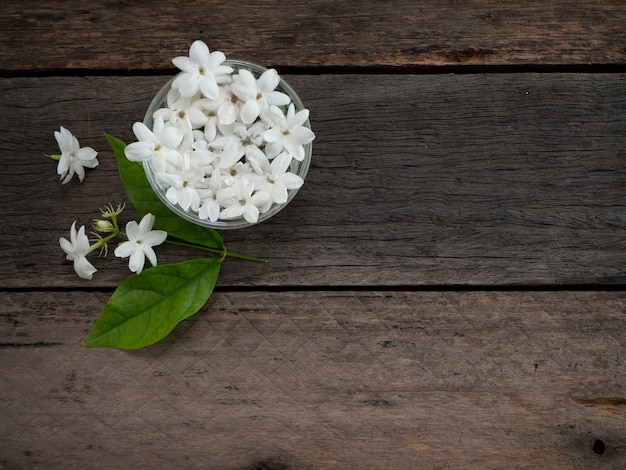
(144,200)
(146,307)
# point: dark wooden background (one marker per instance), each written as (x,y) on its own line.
(445,292)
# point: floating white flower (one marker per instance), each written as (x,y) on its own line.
(182,188)
(287,132)
(209,120)
(279,180)
(203,155)
(76,249)
(238,140)
(141,239)
(158,145)
(180,114)
(257,95)
(202,71)
(73,159)
(241,201)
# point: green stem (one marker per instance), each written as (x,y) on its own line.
(222,252)
(103,241)
(245,257)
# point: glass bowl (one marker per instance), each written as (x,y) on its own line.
(300,168)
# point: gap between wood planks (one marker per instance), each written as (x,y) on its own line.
(338,70)
(369,288)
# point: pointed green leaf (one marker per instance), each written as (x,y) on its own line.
(146,307)
(144,200)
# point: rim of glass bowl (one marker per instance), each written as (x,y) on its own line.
(299,168)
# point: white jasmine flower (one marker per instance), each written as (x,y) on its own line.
(182,187)
(202,155)
(239,140)
(259,94)
(157,145)
(231,174)
(74,159)
(201,71)
(279,180)
(183,112)
(231,151)
(242,201)
(245,169)
(287,132)
(76,249)
(178,116)
(141,239)
(205,116)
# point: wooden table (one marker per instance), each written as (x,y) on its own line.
(445,292)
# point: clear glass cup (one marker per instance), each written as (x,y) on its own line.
(300,168)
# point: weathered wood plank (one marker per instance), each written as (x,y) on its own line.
(61,34)
(443,179)
(316,380)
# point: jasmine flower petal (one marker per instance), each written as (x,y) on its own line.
(151,255)
(136,261)
(139,151)
(84,268)
(249,112)
(199,53)
(144,134)
(124,250)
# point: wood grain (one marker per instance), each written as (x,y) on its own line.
(58,35)
(500,179)
(321,380)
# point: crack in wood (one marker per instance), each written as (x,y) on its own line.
(615,405)
(36,344)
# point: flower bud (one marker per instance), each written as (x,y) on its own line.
(102,226)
